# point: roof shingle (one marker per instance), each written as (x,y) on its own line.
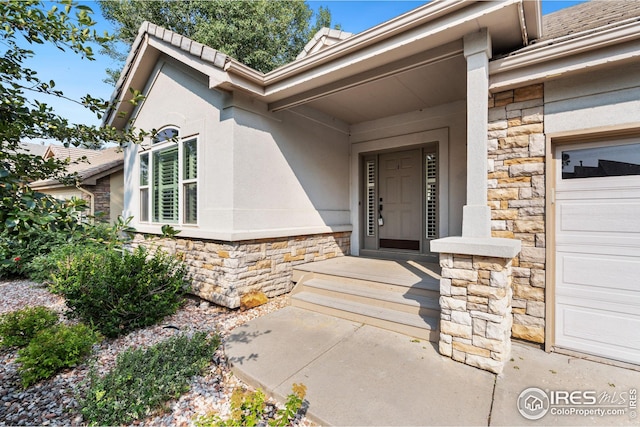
(588,16)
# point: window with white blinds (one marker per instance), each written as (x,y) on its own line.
(370,207)
(431,197)
(169,180)
(165,185)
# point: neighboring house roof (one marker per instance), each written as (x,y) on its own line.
(71,153)
(99,163)
(588,16)
(33,149)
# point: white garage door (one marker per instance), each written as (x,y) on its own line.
(597,242)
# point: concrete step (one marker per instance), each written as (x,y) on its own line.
(406,301)
(411,324)
(422,287)
(382,274)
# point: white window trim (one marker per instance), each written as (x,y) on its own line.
(152,147)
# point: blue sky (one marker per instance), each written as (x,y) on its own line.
(77,77)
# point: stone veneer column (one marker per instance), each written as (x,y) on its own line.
(475,300)
(516,195)
(475,288)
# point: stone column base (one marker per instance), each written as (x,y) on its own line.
(475,299)
(476,319)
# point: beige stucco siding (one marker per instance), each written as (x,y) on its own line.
(603,99)
(289,172)
(65,193)
(116,201)
(179,97)
(260,174)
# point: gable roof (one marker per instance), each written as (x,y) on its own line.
(430,26)
(72,154)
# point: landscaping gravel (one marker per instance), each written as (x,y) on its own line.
(53,401)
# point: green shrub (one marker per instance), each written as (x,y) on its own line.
(44,268)
(53,349)
(144,379)
(17,328)
(117,292)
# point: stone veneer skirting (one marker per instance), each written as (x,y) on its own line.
(516,195)
(475,317)
(222,272)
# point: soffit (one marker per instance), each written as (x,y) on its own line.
(415,89)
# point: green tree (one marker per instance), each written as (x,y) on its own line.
(262,34)
(25,214)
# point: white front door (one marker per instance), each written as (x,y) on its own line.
(597,249)
(400,203)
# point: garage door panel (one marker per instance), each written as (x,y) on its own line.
(597,246)
(597,249)
(603,333)
(600,217)
(599,332)
(607,272)
(622,301)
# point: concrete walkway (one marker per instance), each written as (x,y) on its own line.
(361,375)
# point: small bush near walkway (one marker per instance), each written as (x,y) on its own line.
(117,292)
(144,379)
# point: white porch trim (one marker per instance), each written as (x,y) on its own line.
(476,215)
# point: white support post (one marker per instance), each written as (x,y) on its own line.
(476,215)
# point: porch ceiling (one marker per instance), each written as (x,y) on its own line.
(421,87)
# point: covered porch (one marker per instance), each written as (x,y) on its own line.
(397,295)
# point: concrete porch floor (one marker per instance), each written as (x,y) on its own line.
(361,375)
(396,272)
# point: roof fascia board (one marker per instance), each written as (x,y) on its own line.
(565,57)
(123,108)
(533,18)
(125,75)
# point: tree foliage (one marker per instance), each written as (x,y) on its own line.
(262,34)
(26,216)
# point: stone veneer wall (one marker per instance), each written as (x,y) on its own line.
(222,272)
(516,149)
(102,196)
(475,318)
